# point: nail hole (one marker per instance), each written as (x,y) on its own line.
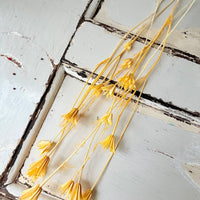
(14,74)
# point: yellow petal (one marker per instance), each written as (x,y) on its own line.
(109,142)
(44,146)
(67,187)
(31,193)
(71,116)
(38,168)
(87,195)
(76,192)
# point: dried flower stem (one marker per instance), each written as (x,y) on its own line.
(123,97)
(104,168)
(69,157)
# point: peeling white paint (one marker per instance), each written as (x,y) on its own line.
(186,37)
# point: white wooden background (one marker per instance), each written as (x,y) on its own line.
(44,45)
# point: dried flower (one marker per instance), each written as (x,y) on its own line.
(97,89)
(45,146)
(87,195)
(128,45)
(31,193)
(76,192)
(109,90)
(127,63)
(127,82)
(106,119)
(109,142)
(38,168)
(67,187)
(70,117)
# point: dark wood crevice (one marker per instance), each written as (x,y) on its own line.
(167,49)
(4,194)
(100,3)
(29,126)
(84,73)
(80,22)
(34,116)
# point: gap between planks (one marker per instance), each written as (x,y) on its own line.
(183,118)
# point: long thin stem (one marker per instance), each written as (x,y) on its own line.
(122,134)
(69,157)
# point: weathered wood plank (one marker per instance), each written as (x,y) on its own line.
(186,37)
(149,157)
(29,30)
(171,80)
(166,112)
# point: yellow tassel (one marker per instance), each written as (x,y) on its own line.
(109,90)
(87,195)
(70,117)
(67,187)
(128,45)
(127,82)
(106,119)
(97,89)
(45,146)
(109,142)
(38,168)
(31,193)
(76,192)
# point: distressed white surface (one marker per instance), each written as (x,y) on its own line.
(172,79)
(128,13)
(149,158)
(20,93)
(49,25)
(27,144)
(28,30)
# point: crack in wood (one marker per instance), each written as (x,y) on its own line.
(165,154)
(181,114)
(30,125)
(100,3)
(4,175)
(6,195)
(13,60)
(81,20)
(167,49)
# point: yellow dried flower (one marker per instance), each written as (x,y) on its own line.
(127,82)
(109,142)
(109,90)
(76,192)
(97,89)
(127,63)
(67,187)
(87,195)
(31,193)
(106,119)
(45,146)
(38,168)
(128,45)
(70,117)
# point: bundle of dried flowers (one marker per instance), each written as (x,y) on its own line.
(120,82)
